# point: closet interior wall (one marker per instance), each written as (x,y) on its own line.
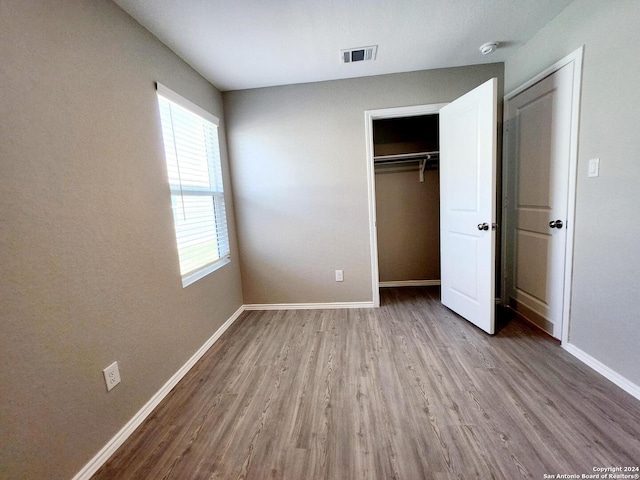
(407,209)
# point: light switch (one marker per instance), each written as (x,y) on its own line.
(594,167)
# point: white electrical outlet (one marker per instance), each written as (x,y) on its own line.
(339,276)
(111,375)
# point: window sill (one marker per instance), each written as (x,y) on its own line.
(204,271)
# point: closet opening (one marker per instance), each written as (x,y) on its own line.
(407,199)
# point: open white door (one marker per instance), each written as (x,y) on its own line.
(468,136)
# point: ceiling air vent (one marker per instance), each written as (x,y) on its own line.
(359,54)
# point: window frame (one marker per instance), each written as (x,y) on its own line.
(182,191)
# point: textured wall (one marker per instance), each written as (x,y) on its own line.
(408,219)
(604,311)
(299,172)
(89,265)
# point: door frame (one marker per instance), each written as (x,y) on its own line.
(369,117)
(576,58)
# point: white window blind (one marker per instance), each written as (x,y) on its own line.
(192,153)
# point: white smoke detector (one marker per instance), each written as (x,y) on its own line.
(488,48)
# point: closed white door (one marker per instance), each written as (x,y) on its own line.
(468,128)
(537,150)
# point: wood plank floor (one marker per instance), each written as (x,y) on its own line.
(406,391)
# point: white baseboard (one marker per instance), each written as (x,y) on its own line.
(307,306)
(109,449)
(603,370)
(409,283)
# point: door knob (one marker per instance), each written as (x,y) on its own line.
(483,226)
(556,224)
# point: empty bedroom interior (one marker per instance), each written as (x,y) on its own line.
(91,272)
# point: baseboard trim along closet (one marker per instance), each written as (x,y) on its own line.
(409,283)
(109,449)
(625,384)
(307,306)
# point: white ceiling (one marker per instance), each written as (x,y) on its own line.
(256,43)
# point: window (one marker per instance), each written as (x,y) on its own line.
(192,153)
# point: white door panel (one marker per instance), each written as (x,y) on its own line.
(468,128)
(538,148)
(532,280)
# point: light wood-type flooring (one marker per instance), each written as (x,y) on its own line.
(406,391)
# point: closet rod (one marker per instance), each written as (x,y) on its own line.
(405,157)
(430,158)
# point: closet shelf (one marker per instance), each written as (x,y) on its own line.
(425,158)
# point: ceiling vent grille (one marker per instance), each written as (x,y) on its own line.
(360,54)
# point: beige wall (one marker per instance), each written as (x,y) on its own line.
(89,267)
(606,273)
(299,173)
(408,219)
